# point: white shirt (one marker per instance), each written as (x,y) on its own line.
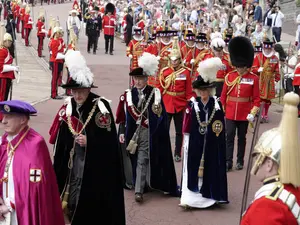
(11,189)
(234,19)
(277,19)
(292,61)
(194,16)
(239,9)
(72,20)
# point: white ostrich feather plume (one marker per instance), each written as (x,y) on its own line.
(78,69)
(149,63)
(217,42)
(208,69)
(215,35)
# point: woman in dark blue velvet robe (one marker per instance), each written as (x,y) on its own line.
(204,179)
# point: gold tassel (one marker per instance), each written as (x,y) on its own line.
(201,167)
(132,146)
(64,202)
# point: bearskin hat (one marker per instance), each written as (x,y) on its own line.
(241,52)
(109,8)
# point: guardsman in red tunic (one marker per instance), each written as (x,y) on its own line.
(176,88)
(277,166)
(27,25)
(41,33)
(56,61)
(188,49)
(135,48)
(162,50)
(200,51)
(266,66)
(240,98)
(6,69)
(22,14)
(108,25)
(296,81)
(217,46)
(17,16)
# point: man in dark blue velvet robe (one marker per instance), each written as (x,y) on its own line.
(144,130)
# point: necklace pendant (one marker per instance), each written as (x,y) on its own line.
(202,130)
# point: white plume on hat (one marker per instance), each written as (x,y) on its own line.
(78,69)
(149,63)
(215,35)
(208,69)
(217,43)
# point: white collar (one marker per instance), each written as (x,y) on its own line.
(9,138)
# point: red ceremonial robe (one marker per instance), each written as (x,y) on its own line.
(36,203)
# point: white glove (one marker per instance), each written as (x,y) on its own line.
(130,56)
(184,62)
(260,69)
(192,61)
(60,56)
(44,31)
(250,118)
(9,68)
(291,75)
(30,22)
(158,57)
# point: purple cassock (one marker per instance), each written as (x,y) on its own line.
(36,196)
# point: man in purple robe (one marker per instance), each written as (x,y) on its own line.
(28,190)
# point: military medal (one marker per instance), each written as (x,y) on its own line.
(202,130)
(157,109)
(217,127)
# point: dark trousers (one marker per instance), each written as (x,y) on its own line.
(27,33)
(219,88)
(56,71)
(22,29)
(277,33)
(92,41)
(288,85)
(40,45)
(109,40)
(5,85)
(178,120)
(231,127)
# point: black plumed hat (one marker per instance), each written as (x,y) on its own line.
(241,52)
(110,8)
(138,72)
(199,83)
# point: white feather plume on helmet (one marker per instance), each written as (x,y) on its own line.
(78,69)
(217,43)
(149,63)
(208,69)
(215,35)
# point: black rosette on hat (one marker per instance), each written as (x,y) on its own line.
(241,52)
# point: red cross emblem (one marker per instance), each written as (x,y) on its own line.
(103,121)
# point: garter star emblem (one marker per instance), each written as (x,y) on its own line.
(6,108)
(61,113)
(35,175)
(217,127)
(157,109)
(103,121)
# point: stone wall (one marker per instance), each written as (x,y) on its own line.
(289,9)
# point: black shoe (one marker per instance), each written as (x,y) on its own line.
(94,53)
(228,167)
(111,53)
(89,52)
(239,166)
(139,197)
(106,52)
(177,158)
(58,97)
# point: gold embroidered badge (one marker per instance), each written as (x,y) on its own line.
(157,109)
(217,127)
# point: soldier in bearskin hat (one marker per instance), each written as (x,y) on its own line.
(240,98)
(108,24)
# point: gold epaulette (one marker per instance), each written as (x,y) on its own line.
(203,54)
(163,69)
(274,194)
(186,68)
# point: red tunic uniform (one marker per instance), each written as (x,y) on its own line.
(108,24)
(176,88)
(296,81)
(187,54)
(41,35)
(264,211)
(141,24)
(163,51)
(28,27)
(240,95)
(136,49)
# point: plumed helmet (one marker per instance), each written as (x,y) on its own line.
(7,37)
(109,8)
(241,52)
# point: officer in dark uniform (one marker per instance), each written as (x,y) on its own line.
(93,28)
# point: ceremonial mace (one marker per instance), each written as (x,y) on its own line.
(249,166)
